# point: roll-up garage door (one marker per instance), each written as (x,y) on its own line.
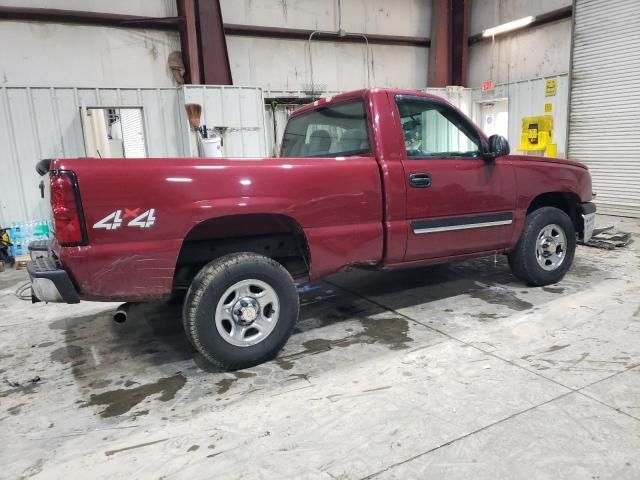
(604,124)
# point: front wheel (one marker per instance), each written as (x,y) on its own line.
(240,310)
(546,248)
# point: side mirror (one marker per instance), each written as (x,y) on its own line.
(498,147)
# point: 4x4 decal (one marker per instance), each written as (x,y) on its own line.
(115,219)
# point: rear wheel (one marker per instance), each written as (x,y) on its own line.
(240,310)
(546,248)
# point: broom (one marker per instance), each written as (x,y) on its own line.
(193,112)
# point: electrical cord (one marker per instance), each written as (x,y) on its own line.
(21,292)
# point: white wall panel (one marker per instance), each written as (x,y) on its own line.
(240,110)
(526,98)
(37,123)
(491,13)
(276,64)
(279,64)
(401,17)
(150,8)
(53,54)
(533,53)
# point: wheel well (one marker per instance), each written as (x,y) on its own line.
(275,236)
(565,201)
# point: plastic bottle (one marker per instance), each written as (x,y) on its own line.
(17,240)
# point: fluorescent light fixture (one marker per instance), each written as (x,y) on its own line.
(507,27)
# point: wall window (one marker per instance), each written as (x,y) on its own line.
(114,132)
(434,130)
(336,130)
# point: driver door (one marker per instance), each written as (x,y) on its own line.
(457,202)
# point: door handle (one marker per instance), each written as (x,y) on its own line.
(420,180)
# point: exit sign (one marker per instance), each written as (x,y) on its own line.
(488,85)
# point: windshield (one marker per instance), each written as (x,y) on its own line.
(331,131)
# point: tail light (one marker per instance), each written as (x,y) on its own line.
(66,209)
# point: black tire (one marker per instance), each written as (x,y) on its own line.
(206,292)
(523,259)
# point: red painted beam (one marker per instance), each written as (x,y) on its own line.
(189,41)
(214,57)
(303,34)
(78,17)
(459,41)
(449,43)
(439,72)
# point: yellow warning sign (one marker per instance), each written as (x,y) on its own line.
(548,107)
(550,91)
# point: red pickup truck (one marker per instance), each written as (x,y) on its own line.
(379,177)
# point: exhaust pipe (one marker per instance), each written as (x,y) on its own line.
(121,314)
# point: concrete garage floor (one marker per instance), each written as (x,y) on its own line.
(454,371)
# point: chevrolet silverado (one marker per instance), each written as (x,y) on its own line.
(381,178)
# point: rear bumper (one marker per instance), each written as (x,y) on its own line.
(588,213)
(39,248)
(50,283)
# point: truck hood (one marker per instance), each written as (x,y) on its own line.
(561,161)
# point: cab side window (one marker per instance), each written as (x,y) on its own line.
(434,130)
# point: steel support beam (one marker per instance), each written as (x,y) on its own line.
(52,15)
(448,52)
(189,41)
(303,34)
(461,10)
(214,58)
(439,71)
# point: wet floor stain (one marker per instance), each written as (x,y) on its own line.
(122,400)
(97,384)
(203,364)
(483,317)
(553,289)
(108,453)
(67,354)
(15,410)
(501,296)
(390,332)
(225,384)
(71,323)
(583,270)
(26,389)
(555,348)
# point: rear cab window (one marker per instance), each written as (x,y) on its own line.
(330,131)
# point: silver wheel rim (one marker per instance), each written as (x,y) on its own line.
(247,312)
(551,247)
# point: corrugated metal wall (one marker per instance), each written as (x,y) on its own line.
(605,101)
(527,98)
(240,110)
(38,123)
